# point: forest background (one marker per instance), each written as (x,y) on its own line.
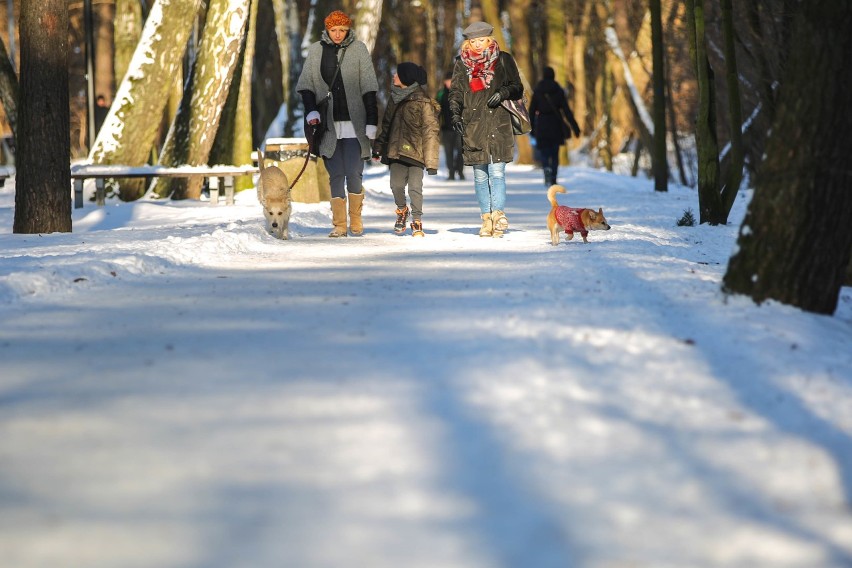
(571,36)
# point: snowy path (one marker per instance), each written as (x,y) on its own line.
(230,400)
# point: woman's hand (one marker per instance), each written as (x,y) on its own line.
(458,126)
(494,100)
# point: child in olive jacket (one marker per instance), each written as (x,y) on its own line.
(409,141)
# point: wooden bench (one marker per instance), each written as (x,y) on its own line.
(81,172)
(289,154)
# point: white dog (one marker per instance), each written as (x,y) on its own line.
(273,192)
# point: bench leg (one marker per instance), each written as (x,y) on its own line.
(229,190)
(214,190)
(100,194)
(78,194)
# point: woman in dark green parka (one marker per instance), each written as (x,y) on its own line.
(483,77)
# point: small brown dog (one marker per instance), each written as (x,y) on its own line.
(572,219)
(273,192)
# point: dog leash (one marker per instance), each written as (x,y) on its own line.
(308,155)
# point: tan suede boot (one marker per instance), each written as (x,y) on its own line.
(487,228)
(338,217)
(501,222)
(356,203)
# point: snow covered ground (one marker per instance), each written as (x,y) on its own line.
(179,389)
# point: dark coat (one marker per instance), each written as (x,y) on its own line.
(488,135)
(410,132)
(547,125)
(443,98)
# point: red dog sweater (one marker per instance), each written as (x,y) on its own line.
(569,219)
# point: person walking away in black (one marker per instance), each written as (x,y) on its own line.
(552,123)
(450,139)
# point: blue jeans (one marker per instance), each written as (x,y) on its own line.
(345,165)
(489,181)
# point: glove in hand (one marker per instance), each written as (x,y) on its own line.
(432,171)
(494,100)
(458,126)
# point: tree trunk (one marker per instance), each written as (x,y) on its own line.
(191,137)
(9,89)
(624,80)
(104,53)
(450,10)
(234,143)
(660,161)
(557,52)
(43,180)
(132,124)
(127,30)
(796,239)
(709,200)
(367,20)
(518,11)
(578,75)
(734,175)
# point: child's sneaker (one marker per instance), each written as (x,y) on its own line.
(417,229)
(401,218)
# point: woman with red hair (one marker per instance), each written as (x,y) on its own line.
(338,88)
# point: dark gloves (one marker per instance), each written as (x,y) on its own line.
(494,100)
(432,171)
(458,126)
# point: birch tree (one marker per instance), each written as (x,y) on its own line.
(623,77)
(794,244)
(193,131)
(367,18)
(127,32)
(129,131)
(43,181)
(234,138)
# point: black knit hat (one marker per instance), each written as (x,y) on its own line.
(410,73)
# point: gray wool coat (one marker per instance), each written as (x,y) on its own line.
(359,77)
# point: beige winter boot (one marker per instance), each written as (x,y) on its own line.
(501,222)
(356,203)
(487,228)
(338,217)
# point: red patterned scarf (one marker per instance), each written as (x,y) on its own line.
(481,65)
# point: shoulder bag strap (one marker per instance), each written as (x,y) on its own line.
(336,71)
